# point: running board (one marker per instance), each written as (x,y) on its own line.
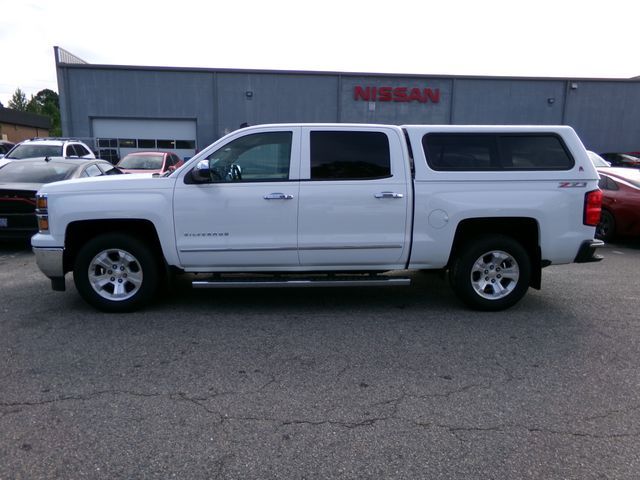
(377,281)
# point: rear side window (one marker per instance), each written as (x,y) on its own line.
(344,155)
(81,150)
(486,152)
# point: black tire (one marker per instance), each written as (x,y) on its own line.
(131,285)
(491,272)
(606,229)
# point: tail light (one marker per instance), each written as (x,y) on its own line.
(592,207)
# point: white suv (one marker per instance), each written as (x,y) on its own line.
(49,147)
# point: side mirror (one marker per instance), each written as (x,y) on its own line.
(201,173)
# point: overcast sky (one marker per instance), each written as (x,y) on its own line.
(545,38)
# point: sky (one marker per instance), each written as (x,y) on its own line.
(541,38)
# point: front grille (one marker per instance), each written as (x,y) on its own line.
(17,201)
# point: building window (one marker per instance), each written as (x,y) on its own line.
(107,143)
(146,143)
(166,144)
(186,144)
(127,143)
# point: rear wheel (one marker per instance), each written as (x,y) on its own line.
(606,227)
(491,272)
(116,273)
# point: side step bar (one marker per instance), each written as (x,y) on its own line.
(376,281)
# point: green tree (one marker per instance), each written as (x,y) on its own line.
(47,102)
(18,101)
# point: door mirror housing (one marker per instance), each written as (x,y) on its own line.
(201,173)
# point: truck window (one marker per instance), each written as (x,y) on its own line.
(534,152)
(340,155)
(461,152)
(259,156)
(490,151)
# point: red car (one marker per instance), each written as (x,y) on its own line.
(149,162)
(621,159)
(620,202)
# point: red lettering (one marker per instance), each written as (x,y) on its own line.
(400,94)
(433,95)
(384,94)
(360,93)
(396,94)
(416,94)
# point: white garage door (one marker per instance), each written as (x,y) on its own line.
(116,137)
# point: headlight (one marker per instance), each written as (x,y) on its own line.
(41,203)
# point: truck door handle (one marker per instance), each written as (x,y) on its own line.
(278,196)
(388,195)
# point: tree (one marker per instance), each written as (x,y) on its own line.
(47,102)
(18,101)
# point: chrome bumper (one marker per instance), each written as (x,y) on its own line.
(49,261)
(587,252)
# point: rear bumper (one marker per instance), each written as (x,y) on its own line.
(50,262)
(587,252)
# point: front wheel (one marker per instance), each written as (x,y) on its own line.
(491,273)
(116,273)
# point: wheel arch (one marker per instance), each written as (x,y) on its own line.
(524,230)
(80,232)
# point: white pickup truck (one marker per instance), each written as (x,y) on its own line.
(331,205)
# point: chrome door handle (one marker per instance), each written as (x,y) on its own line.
(278,196)
(388,195)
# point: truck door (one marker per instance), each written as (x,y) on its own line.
(354,198)
(246,215)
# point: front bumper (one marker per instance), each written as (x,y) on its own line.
(50,262)
(587,252)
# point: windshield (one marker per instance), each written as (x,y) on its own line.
(141,162)
(32,151)
(28,172)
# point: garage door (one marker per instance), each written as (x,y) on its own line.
(116,137)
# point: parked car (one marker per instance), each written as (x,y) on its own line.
(19,182)
(5,147)
(621,159)
(597,160)
(149,162)
(620,202)
(49,147)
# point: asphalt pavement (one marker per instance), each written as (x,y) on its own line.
(377,383)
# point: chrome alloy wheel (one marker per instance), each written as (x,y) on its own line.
(115,274)
(494,275)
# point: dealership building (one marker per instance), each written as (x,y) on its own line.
(127,108)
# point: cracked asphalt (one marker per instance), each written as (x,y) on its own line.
(398,383)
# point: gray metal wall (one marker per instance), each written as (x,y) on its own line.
(136,94)
(498,102)
(606,114)
(274,98)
